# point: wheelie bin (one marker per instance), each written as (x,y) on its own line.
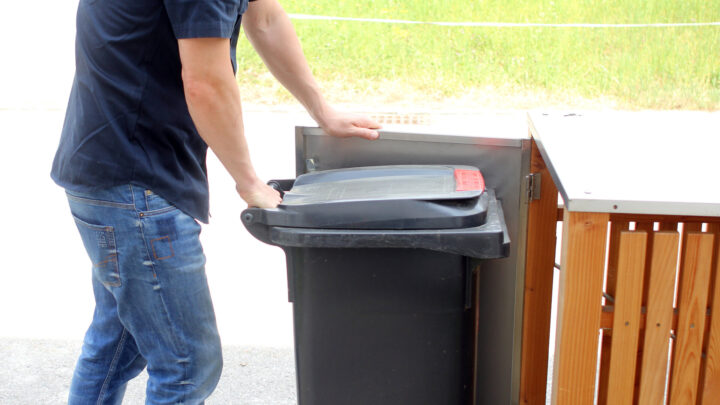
(378,263)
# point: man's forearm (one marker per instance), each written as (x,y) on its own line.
(213,100)
(271,33)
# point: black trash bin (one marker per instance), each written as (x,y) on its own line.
(379,274)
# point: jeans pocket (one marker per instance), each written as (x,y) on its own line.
(99,241)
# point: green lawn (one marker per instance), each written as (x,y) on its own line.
(662,68)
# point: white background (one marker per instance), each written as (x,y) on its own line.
(45,289)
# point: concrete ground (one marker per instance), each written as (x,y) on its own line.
(38,372)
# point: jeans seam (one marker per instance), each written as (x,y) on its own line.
(132,195)
(113,364)
(159,211)
(103,228)
(178,344)
(91,201)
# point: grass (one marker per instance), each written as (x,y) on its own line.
(636,68)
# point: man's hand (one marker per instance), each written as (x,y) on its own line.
(259,195)
(341,125)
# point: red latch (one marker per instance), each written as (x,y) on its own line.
(469,180)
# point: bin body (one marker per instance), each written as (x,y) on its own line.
(381,326)
(380,279)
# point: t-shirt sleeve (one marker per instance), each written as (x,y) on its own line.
(203,18)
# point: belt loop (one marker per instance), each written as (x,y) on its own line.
(138,196)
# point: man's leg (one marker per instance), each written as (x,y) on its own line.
(109,356)
(179,337)
(147,255)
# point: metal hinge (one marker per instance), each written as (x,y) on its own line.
(532,186)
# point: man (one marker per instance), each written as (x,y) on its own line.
(154,86)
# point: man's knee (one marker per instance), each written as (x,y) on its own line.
(211,366)
(189,379)
(205,368)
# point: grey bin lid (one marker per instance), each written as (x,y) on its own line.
(441,208)
(385,197)
(381,183)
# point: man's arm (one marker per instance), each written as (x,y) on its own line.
(213,99)
(271,33)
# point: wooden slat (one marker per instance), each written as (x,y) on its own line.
(616,228)
(710,389)
(685,228)
(668,226)
(540,261)
(579,307)
(651,218)
(695,276)
(626,325)
(647,226)
(606,319)
(661,218)
(661,285)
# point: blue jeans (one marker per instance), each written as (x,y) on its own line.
(152,303)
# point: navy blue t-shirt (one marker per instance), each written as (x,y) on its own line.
(127,121)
